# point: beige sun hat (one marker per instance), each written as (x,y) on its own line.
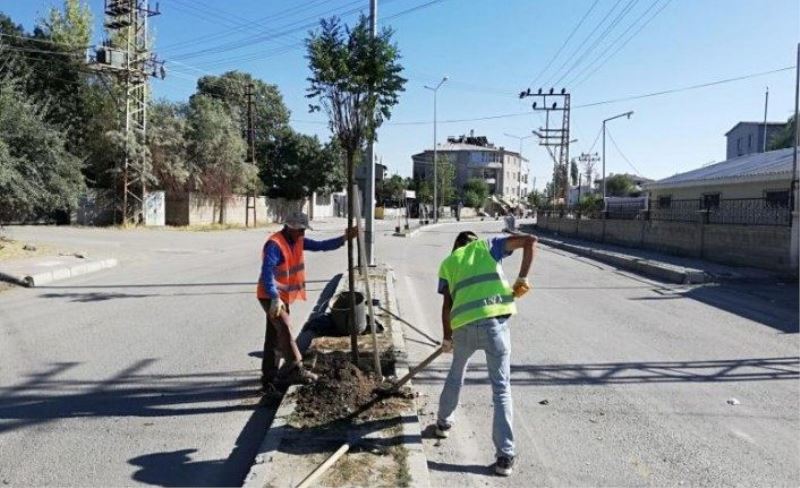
(297,220)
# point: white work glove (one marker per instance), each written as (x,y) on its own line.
(521,287)
(447,346)
(276,307)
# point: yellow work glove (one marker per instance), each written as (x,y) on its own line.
(276,306)
(521,287)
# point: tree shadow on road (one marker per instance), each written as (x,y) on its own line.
(638,372)
(43,398)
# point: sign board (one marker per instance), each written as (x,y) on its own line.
(410,194)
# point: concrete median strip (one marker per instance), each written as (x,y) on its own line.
(654,269)
(287,454)
(43,270)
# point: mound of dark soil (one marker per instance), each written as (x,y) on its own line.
(342,390)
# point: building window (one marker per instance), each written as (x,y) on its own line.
(778,198)
(665,201)
(710,201)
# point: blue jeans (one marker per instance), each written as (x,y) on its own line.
(492,336)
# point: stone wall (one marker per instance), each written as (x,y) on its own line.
(196,209)
(763,246)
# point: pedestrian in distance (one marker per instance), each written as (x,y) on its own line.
(477,305)
(281,283)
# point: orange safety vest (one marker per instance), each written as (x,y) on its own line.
(290,276)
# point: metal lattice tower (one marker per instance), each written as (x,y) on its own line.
(555,138)
(126,55)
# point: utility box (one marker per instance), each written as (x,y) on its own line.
(115,58)
(154,208)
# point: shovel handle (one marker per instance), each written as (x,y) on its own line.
(416,369)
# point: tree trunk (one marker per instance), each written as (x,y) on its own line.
(350,267)
(221,207)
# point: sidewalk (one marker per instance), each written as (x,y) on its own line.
(665,267)
(41,270)
(385,447)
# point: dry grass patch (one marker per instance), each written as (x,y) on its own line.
(10,249)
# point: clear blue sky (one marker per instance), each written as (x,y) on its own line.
(493,49)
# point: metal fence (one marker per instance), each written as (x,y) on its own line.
(676,210)
(733,211)
(751,211)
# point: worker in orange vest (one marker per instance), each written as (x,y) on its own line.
(282,281)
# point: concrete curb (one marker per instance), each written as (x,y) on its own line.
(654,269)
(56,274)
(412,429)
(416,460)
(416,231)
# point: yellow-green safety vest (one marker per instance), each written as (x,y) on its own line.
(477,285)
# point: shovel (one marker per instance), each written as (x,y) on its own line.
(390,387)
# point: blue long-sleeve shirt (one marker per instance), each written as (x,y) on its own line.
(273,257)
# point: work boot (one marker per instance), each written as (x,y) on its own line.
(504,465)
(443,429)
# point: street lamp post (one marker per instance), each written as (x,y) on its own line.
(626,114)
(435,176)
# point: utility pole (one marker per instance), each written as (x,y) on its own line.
(435,90)
(793,253)
(766,105)
(626,114)
(251,152)
(589,160)
(369,183)
(557,138)
(126,55)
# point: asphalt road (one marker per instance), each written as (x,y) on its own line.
(637,376)
(148,373)
(145,373)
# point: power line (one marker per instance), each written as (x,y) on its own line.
(622,153)
(622,46)
(584,42)
(259,22)
(622,14)
(246,57)
(610,101)
(566,41)
(608,47)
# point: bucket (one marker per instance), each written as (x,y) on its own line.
(340,313)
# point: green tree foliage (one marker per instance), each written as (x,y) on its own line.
(475,192)
(166,140)
(619,186)
(784,138)
(270,113)
(355,79)
(391,189)
(38,176)
(537,199)
(300,165)
(424,191)
(446,177)
(217,151)
(590,203)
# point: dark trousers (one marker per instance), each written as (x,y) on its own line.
(274,329)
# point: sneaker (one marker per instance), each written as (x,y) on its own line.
(504,466)
(443,429)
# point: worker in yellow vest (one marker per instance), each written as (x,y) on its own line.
(282,281)
(478,302)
